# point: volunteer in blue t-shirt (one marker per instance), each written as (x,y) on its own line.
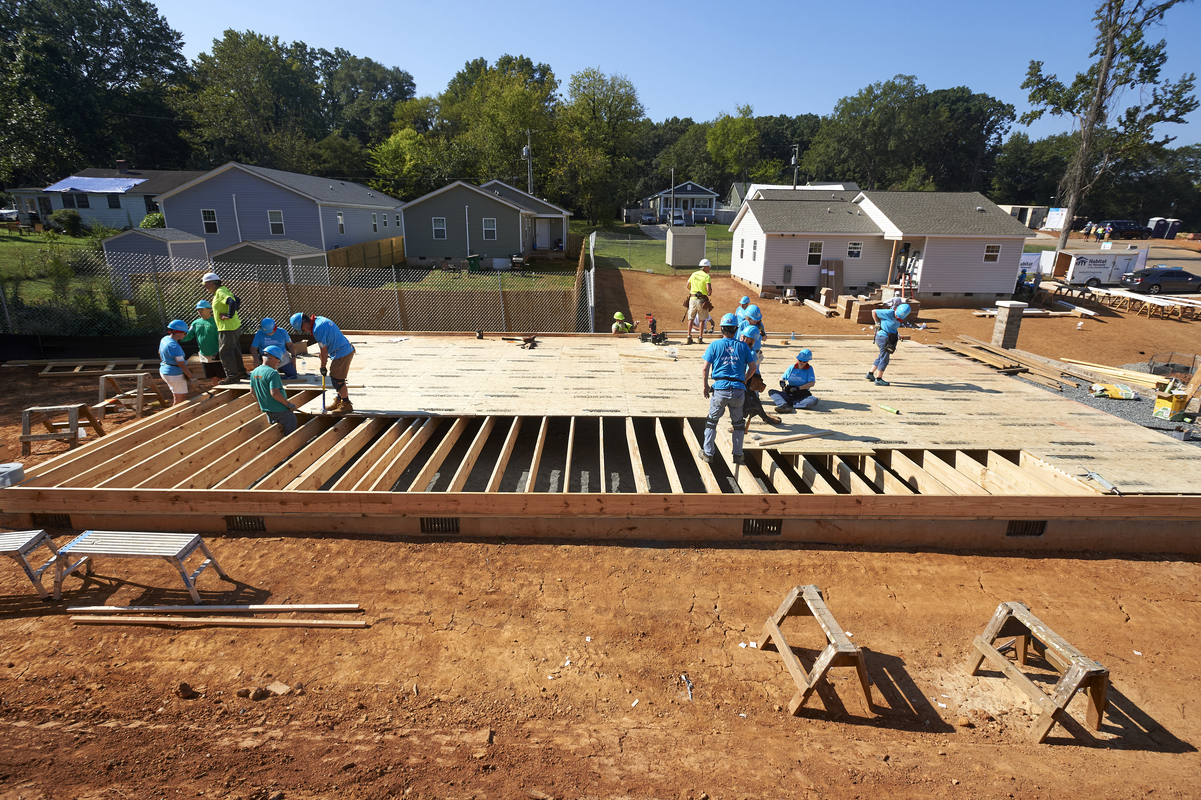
(740,312)
(174,367)
(887,337)
(334,345)
(271,335)
(795,384)
(731,363)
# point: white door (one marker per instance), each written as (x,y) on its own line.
(542,234)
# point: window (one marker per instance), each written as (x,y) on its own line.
(68,200)
(992,253)
(385,216)
(82,201)
(815,254)
(741,247)
(374,224)
(114,200)
(489,229)
(754,248)
(439,227)
(854,249)
(209,217)
(341,224)
(276,220)
(398,220)
(151,206)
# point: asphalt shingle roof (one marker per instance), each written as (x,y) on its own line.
(169,234)
(809,195)
(326,190)
(154,181)
(286,247)
(946,214)
(804,216)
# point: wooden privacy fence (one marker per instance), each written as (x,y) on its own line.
(369,255)
(575,244)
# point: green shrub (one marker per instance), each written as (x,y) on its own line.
(68,221)
(98,233)
(155,220)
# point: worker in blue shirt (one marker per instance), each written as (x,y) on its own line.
(269,334)
(749,335)
(754,316)
(740,312)
(333,344)
(174,367)
(731,363)
(887,337)
(795,384)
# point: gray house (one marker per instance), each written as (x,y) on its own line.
(238,202)
(494,221)
(287,254)
(149,250)
(119,198)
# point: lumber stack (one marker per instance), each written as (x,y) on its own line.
(1015,362)
(825,311)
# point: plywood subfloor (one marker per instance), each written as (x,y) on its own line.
(946,402)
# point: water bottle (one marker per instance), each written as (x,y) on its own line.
(792,337)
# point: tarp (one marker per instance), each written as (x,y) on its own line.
(95,185)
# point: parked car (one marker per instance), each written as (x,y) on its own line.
(8,215)
(1161,280)
(1127,229)
(648,218)
(677,219)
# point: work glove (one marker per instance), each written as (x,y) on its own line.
(324,371)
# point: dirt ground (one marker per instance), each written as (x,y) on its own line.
(501,670)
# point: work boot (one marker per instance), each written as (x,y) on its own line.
(336,406)
(882,382)
(703,456)
(689,340)
(345,408)
(701,340)
(770,418)
(738,458)
(785,410)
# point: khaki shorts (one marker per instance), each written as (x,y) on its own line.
(340,367)
(696,309)
(177,383)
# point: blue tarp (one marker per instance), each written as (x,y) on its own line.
(95,185)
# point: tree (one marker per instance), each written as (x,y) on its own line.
(1027,173)
(964,134)
(1123,61)
(359,95)
(733,142)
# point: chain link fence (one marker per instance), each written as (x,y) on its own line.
(82,293)
(646,254)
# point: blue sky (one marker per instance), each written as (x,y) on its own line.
(701,58)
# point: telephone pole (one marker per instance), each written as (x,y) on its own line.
(528,155)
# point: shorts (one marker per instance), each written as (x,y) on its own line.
(177,383)
(340,367)
(212,366)
(696,308)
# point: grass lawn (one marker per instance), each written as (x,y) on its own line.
(13,246)
(440,280)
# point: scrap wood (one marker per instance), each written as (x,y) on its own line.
(825,311)
(648,355)
(274,609)
(235,622)
(793,438)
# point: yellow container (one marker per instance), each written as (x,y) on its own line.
(1170,405)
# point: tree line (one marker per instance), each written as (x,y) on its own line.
(84,82)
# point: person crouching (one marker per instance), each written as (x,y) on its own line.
(795,385)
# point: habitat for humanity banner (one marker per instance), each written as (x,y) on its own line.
(1055,219)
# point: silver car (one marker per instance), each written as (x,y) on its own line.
(8,215)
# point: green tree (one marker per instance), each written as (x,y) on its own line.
(689,156)
(964,135)
(359,95)
(1123,63)
(733,142)
(1027,173)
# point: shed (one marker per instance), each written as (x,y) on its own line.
(303,263)
(150,250)
(685,246)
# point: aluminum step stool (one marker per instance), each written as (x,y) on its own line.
(18,545)
(174,548)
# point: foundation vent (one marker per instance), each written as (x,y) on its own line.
(762,527)
(1022,527)
(439,524)
(50,520)
(245,524)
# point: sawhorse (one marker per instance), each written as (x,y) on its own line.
(59,431)
(1079,671)
(146,393)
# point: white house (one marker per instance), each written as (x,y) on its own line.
(119,198)
(691,199)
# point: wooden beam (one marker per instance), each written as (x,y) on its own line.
(825,311)
(669,463)
(471,456)
(850,477)
(1068,484)
(771,469)
(225,622)
(289,470)
(375,469)
(911,471)
(1024,480)
(502,460)
(600,450)
(221,468)
(405,455)
(355,472)
(992,482)
(284,608)
(434,463)
(955,481)
(746,481)
(324,468)
(777,440)
(257,467)
(882,479)
(537,457)
(712,486)
(212,449)
(567,462)
(816,482)
(641,484)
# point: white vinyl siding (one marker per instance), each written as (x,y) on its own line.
(209,217)
(489,229)
(275,221)
(871,267)
(439,227)
(953,265)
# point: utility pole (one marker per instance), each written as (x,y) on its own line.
(671,214)
(795,164)
(528,155)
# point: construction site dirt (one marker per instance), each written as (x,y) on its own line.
(492,669)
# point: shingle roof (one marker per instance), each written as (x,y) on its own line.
(809,195)
(285,247)
(325,190)
(804,216)
(522,199)
(154,181)
(168,234)
(946,214)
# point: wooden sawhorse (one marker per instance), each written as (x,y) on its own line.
(59,431)
(146,393)
(18,545)
(1079,671)
(805,601)
(174,548)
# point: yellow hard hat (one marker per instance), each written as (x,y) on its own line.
(619,315)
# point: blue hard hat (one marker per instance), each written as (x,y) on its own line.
(267,325)
(178,325)
(204,304)
(729,321)
(750,331)
(903,310)
(754,313)
(274,351)
(744,301)
(804,355)
(297,320)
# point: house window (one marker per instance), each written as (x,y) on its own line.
(68,201)
(82,201)
(114,200)
(209,217)
(398,220)
(854,249)
(151,206)
(992,253)
(374,224)
(385,216)
(754,248)
(815,254)
(741,247)
(489,229)
(276,220)
(439,227)
(341,224)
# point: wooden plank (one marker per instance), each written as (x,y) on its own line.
(212,449)
(816,482)
(284,608)
(747,483)
(911,471)
(1067,484)
(669,463)
(641,484)
(777,440)
(225,622)
(434,463)
(356,471)
(1023,479)
(221,468)
(882,478)
(502,460)
(992,481)
(954,480)
(374,470)
(694,447)
(537,457)
(1014,674)
(257,467)
(324,468)
(288,471)
(567,462)
(405,455)
(772,631)
(600,447)
(472,455)
(819,308)
(835,635)
(772,470)
(850,478)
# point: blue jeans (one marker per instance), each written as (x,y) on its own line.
(781,400)
(881,362)
(285,419)
(288,370)
(719,401)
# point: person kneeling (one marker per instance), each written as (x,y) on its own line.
(268,389)
(795,384)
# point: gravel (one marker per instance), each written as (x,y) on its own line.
(1137,411)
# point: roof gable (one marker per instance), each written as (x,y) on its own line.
(945,214)
(473,188)
(689,188)
(523,198)
(326,191)
(289,248)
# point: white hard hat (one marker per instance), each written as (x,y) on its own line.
(705,263)
(210,276)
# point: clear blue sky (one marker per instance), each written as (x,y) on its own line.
(697,59)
